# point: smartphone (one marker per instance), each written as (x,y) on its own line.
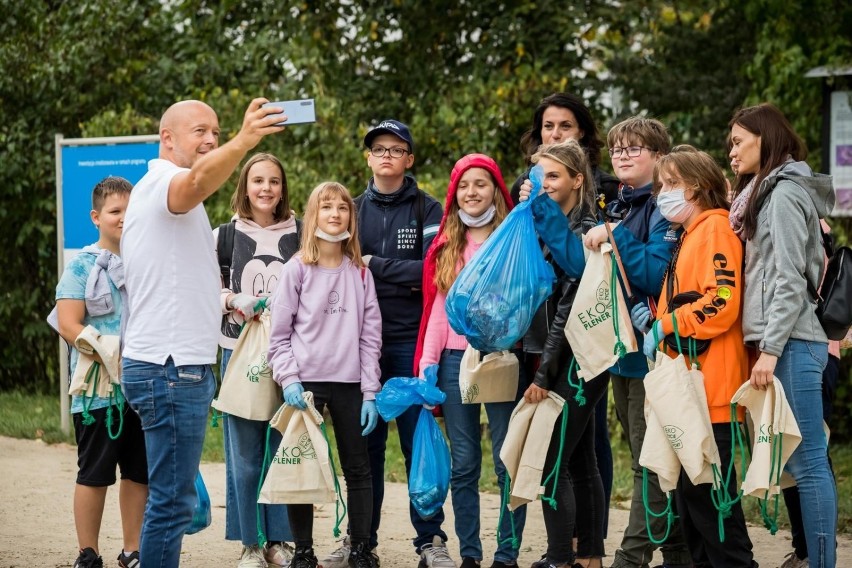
(297,112)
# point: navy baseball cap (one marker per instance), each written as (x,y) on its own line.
(390,126)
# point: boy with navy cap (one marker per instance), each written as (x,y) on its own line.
(396,224)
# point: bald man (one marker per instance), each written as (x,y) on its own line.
(172,281)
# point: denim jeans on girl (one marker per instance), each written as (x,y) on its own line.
(244,442)
(462,422)
(172,403)
(800,371)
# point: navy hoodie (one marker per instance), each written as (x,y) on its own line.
(387,230)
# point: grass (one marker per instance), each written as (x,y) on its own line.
(37,417)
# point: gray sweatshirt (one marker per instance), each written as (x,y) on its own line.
(783,256)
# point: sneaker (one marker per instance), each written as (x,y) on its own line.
(501,564)
(436,555)
(252,557)
(339,558)
(360,557)
(89,559)
(304,558)
(279,555)
(468,562)
(128,560)
(793,561)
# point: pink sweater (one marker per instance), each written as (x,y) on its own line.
(439,334)
(326,326)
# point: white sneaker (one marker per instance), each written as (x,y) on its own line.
(793,561)
(339,558)
(279,555)
(252,557)
(436,555)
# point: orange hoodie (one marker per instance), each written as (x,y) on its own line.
(710,262)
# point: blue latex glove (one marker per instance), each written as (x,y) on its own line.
(650,341)
(293,396)
(641,317)
(369,416)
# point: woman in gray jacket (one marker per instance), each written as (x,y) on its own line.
(779,202)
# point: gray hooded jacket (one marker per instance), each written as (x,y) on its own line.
(785,254)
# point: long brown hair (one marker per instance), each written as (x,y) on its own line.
(701,174)
(778,141)
(451,258)
(591,140)
(240,202)
(326,191)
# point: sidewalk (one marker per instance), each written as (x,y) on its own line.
(37,525)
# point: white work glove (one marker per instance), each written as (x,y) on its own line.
(245,305)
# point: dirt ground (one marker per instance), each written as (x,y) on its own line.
(37,525)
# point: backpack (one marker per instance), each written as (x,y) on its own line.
(834,299)
(225,248)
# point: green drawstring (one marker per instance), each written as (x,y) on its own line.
(554,473)
(338,503)
(619,348)
(115,397)
(771,521)
(668,512)
(214,417)
(261,536)
(579,398)
(504,506)
(93,374)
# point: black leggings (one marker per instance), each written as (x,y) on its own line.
(344,404)
(579,486)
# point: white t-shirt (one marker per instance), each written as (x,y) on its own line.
(171,276)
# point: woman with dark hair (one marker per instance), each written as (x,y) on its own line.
(777,209)
(558,117)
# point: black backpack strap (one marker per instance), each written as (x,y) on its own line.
(421,214)
(225,251)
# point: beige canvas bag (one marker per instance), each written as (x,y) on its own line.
(248,389)
(525,447)
(300,471)
(92,378)
(774,436)
(657,454)
(676,395)
(599,335)
(490,379)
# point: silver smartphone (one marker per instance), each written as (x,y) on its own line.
(297,112)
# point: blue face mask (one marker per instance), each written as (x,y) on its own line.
(625,193)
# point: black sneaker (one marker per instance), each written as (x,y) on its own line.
(128,560)
(469,563)
(361,557)
(304,558)
(88,559)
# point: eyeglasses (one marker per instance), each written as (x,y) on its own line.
(632,151)
(395,152)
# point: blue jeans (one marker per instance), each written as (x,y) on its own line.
(398,361)
(800,371)
(244,462)
(463,429)
(172,403)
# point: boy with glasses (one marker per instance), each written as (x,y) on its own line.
(396,224)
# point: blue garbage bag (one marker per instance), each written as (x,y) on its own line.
(401,392)
(497,293)
(429,480)
(201,515)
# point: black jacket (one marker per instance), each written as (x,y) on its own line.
(387,230)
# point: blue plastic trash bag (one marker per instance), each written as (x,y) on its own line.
(497,293)
(401,392)
(201,516)
(429,480)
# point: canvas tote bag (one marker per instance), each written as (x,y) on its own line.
(92,378)
(248,390)
(657,454)
(599,329)
(525,447)
(493,378)
(301,470)
(774,436)
(672,390)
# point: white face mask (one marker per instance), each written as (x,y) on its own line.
(332,238)
(674,206)
(480,221)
